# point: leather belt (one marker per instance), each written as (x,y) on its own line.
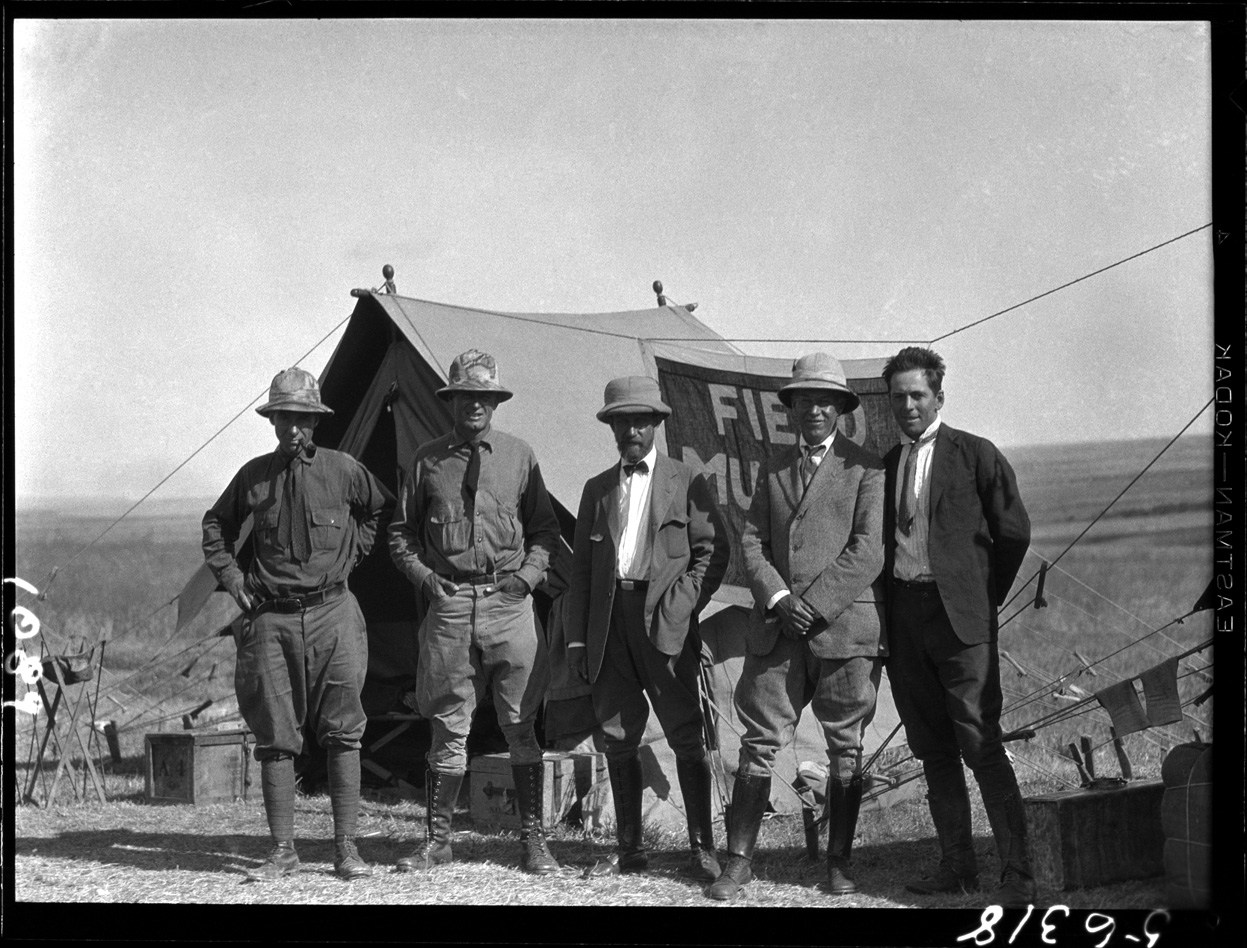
(288,605)
(916,585)
(482,579)
(631,584)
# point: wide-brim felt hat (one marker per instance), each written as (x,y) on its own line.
(819,371)
(294,389)
(632,395)
(473,371)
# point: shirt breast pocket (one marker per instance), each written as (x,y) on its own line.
(327,526)
(449,530)
(266,526)
(510,534)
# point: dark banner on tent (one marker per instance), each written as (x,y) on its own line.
(725,423)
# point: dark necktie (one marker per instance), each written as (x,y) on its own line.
(813,453)
(472,476)
(909,499)
(630,469)
(292,527)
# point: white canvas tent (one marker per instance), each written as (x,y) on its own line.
(381,382)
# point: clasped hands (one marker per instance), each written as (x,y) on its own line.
(795,616)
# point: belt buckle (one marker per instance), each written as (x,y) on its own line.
(628,584)
(287,604)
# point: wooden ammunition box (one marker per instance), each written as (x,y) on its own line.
(566,778)
(1084,838)
(195,768)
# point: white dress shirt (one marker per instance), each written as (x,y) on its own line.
(634,520)
(818,459)
(912,562)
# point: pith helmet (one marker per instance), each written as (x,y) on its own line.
(474,371)
(819,371)
(632,395)
(294,389)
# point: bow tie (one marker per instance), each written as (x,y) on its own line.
(640,466)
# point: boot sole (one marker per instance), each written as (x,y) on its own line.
(425,868)
(255,876)
(540,870)
(724,896)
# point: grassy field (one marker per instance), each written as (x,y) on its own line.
(1137,570)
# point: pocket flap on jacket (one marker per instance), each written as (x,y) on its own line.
(327,517)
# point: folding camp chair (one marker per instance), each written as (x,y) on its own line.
(400,724)
(66,672)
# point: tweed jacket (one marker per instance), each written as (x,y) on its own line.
(979,530)
(689,557)
(824,545)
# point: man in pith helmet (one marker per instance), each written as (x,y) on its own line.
(650,550)
(474,531)
(813,549)
(302,642)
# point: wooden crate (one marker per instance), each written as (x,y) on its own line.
(566,778)
(195,768)
(1084,838)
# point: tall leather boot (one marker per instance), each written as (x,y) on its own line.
(277,788)
(750,796)
(844,801)
(627,786)
(534,853)
(949,802)
(694,777)
(440,791)
(1008,820)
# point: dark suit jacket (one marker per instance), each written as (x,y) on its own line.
(689,557)
(979,529)
(824,546)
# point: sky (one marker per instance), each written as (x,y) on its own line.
(194,200)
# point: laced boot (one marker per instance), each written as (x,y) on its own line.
(694,778)
(750,796)
(1008,821)
(440,791)
(282,861)
(535,855)
(843,803)
(347,862)
(957,871)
